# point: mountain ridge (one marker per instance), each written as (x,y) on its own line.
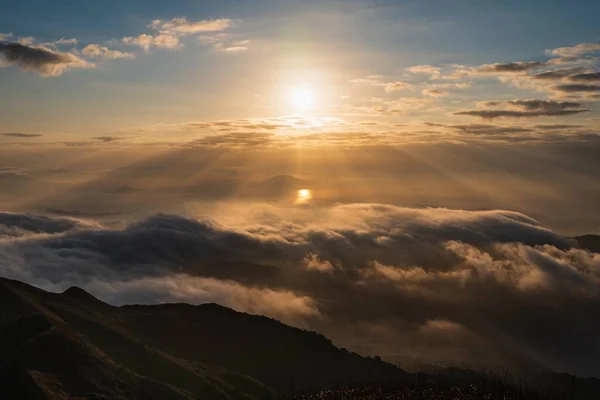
(72,344)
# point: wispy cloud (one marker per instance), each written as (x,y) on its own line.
(170,32)
(576,51)
(146,41)
(182,26)
(526,109)
(21,135)
(98,51)
(388,86)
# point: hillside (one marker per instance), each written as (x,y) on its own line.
(589,242)
(72,345)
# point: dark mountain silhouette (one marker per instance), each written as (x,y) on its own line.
(72,345)
(589,242)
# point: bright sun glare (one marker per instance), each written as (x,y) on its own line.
(303,195)
(302,99)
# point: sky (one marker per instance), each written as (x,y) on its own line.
(405,177)
(238,59)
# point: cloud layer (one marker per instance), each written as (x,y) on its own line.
(412,285)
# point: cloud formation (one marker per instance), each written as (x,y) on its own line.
(146,41)
(182,26)
(433,71)
(39,59)
(585,77)
(526,109)
(402,277)
(377,81)
(21,134)
(435,92)
(95,50)
(169,33)
(569,88)
(577,50)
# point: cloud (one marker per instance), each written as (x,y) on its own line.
(27,41)
(280,304)
(570,88)
(108,139)
(182,26)
(498,69)
(146,41)
(21,135)
(557,74)
(487,129)
(526,109)
(434,71)
(39,59)
(376,80)
(95,50)
(410,284)
(585,77)
(577,50)
(234,49)
(170,32)
(66,42)
(404,104)
(5,36)
(222,42)
(14,225)
(391,87)
(435,92)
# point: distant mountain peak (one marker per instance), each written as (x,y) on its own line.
(79,294)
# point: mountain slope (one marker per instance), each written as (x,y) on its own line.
(589,242)
(72,345)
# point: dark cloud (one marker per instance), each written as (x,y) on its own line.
(587,77)
(570,88)
(40,59)
(19,224)
(557,126)
(509,68)
(537,105)
(21,135)
(486,129)
(526,109)
(491,114)
(108,139)
(432,285)
(556,74)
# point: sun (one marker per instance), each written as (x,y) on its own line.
(302,99)
(303,195)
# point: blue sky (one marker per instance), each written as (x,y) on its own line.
(321,44)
